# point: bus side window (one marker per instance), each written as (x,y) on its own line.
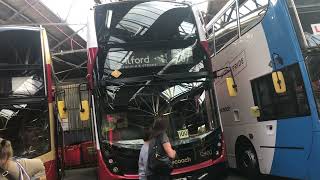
(251,12)
(226,28)
(274,106)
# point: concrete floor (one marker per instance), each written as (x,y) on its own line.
(90,174)
(81,174)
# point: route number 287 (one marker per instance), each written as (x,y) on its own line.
(183,133)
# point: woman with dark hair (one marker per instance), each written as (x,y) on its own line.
(159,137)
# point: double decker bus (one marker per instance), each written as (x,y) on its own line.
(26,110)
(150,58)
(268,95)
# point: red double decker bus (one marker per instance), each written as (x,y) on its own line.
(149,58)
(26,108)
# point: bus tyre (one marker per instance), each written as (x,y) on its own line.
(247,163)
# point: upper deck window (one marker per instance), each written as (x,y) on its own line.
(224,28)
(136,21)
(21,65)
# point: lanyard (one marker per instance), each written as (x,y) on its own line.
(22,172)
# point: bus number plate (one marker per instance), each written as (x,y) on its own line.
(183,133)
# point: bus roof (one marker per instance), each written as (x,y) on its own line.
(128,1)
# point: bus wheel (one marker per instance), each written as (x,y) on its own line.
(247,162)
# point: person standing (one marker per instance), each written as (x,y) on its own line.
(160,141)
(143,157)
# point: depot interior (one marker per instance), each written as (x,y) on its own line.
(27,124)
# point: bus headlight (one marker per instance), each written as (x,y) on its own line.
(110,161)
(217,153)
(115,169)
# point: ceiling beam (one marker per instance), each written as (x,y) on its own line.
(67,38)
(21,11)
(69,52)
(45,24)
(24,17)
(65,62)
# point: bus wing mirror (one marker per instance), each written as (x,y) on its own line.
(232,88)
(62,110)
(279,82)
(255,111)
(84,110)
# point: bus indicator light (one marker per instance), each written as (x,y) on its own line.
(116,73)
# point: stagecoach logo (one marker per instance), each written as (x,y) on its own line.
(237,65)
(181,161)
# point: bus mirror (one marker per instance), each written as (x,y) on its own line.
(232,88)
(279,82)
(255,111)
(84,111)
(62,110)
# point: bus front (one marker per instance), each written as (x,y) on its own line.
(305,16)
(26,114)
(151,61)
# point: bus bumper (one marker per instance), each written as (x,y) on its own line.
(208,173)
(206,170)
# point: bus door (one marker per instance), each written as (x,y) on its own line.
(286,104)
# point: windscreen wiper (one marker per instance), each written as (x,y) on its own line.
(22,100)
(18,107)
(158,78)
(19,67)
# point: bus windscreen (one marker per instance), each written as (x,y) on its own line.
(21,67)
(150,62)
(138,21)
(187,110)
(24,113)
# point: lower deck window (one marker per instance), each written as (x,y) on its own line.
(275,106)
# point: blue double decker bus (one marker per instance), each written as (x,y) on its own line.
(268,93)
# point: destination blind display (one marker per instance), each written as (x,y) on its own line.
(146,59)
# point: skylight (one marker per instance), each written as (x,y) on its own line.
(75,12)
